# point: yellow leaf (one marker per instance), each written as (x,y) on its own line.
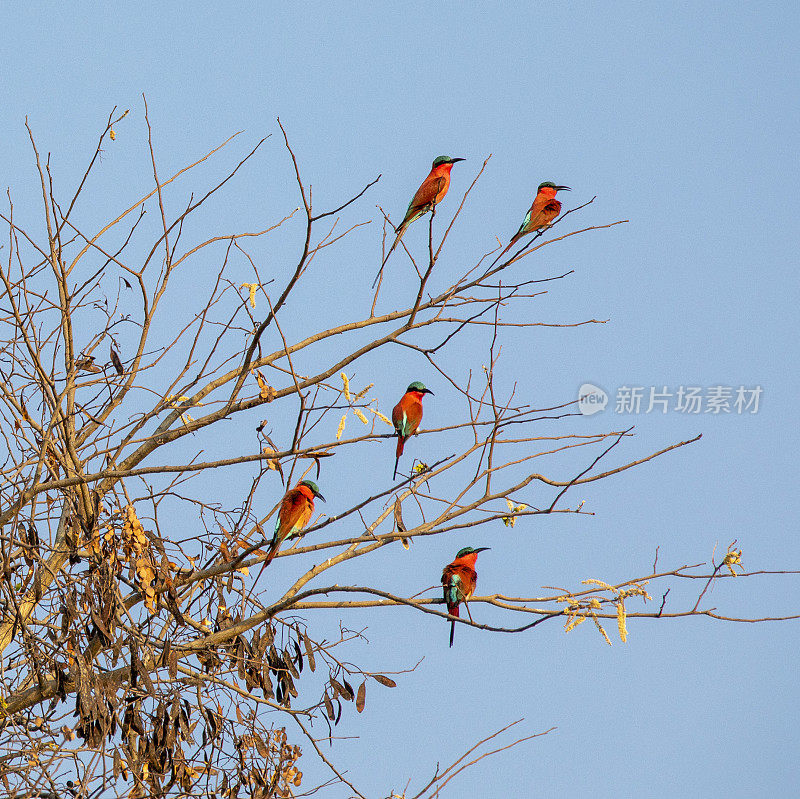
(346,382)
(273,463)
(133,535)
(265,390)
(175,403)
(360,415)
(510,521)
(340,429)
(733,557)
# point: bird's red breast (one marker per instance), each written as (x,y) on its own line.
(433,188)
(411,405)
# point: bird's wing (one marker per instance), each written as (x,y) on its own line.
(397,414)
(541,216)
(426,196)
(406,418)
(293,514)
(451,582)
(402,425)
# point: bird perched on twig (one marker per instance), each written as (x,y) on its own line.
(431,192)
(459,579)
(406,417)
(296,509)
(544,209)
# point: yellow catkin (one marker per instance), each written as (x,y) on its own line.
(623,629)
(346,382)
(360,415)
(635,590)
(602,631)
(363,392)
(340,429)
(252,288)
(573,621)
(591,581)
(381,417)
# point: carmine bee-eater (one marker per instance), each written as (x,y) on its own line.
(458,580)
(407,415)
(431,192)
(543,211)
(296,509)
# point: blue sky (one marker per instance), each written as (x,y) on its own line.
(682,118)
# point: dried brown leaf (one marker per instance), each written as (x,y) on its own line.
(115,360)
(309,653)
(384,680)
(361,696)
(328,706)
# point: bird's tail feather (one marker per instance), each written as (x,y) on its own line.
(400,231)
(453,612)
(514,240)
(398,452)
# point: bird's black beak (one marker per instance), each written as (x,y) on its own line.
(319,496)
(481,549)
(563,188)
(453,160)
(428,391)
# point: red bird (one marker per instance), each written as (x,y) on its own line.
(296,509)
(406,416)
(431,192)
(459,579)
(543,211)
